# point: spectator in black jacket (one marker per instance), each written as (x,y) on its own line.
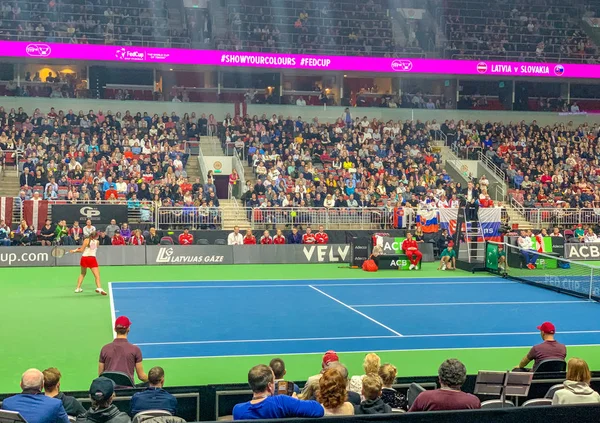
(443,240)
(371,390)
(153,237)
(52,389)
(102,393)
(294,237)
(27,179)
(104,239)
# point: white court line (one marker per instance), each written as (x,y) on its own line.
(354,310)
(113,314)
(241,341)
(468,304)
(353,352)
(350,338)
(305,285)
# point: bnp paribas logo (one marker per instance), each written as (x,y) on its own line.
(127,54)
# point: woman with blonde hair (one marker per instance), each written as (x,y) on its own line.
(332,394)
(389,395)
(576,388)
(370,365)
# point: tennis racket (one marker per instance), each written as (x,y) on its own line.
(58,252)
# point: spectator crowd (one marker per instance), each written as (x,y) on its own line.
(330,392)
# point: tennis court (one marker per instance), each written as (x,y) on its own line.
(272,317)
(209,324)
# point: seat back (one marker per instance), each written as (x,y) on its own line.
(220,242)
(497,403)
(552,390)
(149,414)
(119,378)
(538,402)
(551,366)
(413,392)
(166,240)
(202,241)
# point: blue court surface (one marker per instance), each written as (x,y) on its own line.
(213,318)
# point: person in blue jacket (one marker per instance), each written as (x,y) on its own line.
(32,404)
(295,237)
(264,405)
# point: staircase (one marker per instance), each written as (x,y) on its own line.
(192,169)
(516,218)
(233,215)
(211,146)
(9,183)
(220,19)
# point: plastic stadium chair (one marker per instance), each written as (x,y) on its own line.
(496,403)
(149,414)
(413,392)
(220,242)
(553,389)
(537,402)
(550,366)
(120,379)
(166,240)
(202,241)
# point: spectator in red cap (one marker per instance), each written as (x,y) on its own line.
(121,355)
(550,349)
(329,358)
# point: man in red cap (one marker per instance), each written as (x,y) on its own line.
(328,358)
(121,355)
(550,349)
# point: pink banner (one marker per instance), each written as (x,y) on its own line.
(88,52)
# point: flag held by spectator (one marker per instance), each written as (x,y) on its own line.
(6,209)
(428,220)
(35,213)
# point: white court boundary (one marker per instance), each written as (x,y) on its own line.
(356,311)
(397,335)
(227,286)
(113,314)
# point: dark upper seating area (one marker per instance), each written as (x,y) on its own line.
(536,30)
(348,27)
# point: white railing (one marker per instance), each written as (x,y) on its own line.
(189,217)
(453,160)
(487,162)
(9,159)
(565,218)
(239,167)
(202,166)
(330,218)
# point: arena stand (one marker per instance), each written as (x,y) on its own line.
(349,28)
(537,31)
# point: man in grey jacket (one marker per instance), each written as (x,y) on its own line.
(112,228)
(102,393)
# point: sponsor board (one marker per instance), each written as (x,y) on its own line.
(393,246)
(98,213)
(326,253)
(589,251)
(189,254)
(26,257)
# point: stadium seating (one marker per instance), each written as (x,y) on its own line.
(350,27)
(536,31)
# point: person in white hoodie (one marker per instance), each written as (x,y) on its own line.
(576,388)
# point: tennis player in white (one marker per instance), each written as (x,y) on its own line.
(88,261)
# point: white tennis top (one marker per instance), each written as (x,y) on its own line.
(90,250)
